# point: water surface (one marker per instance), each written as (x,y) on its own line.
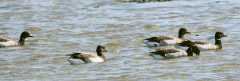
(61,27)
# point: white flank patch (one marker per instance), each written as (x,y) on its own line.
(207,47)
(90,60)
(98,59)
(164,42)
(75,61)
(8,43)
(170,55)
(175,55)
(201,47)
(170,42)
(151,44)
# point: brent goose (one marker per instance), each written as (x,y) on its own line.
(7,42)
(174,53)
(205,45)
(88,57)
(166,39)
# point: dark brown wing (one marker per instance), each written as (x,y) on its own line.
(167,37)
(200,42)
(153,39)
(167,50)
(83,56)
(160,38)
(78,56)
(172,50)
(162,52)
(4,40)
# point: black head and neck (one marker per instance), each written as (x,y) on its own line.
(218,36)
(182,32)
(99,51)
(192,49)
(23,36)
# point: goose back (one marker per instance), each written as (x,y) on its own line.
(88,57)
(7,42)
(166,39)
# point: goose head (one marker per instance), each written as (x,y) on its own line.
(25,34)
(183,31)
(100,49)
(219,35)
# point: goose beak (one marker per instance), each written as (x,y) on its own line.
(68,54)
(105,50)
(224,36)
(188,32)
(30,36)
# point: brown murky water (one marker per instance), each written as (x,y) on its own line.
(60,27)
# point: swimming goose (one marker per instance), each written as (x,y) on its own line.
(7,42)
(88,57)
(205,45)
(166,39)
(174,53)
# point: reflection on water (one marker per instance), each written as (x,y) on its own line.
(142,1)
(221,1)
